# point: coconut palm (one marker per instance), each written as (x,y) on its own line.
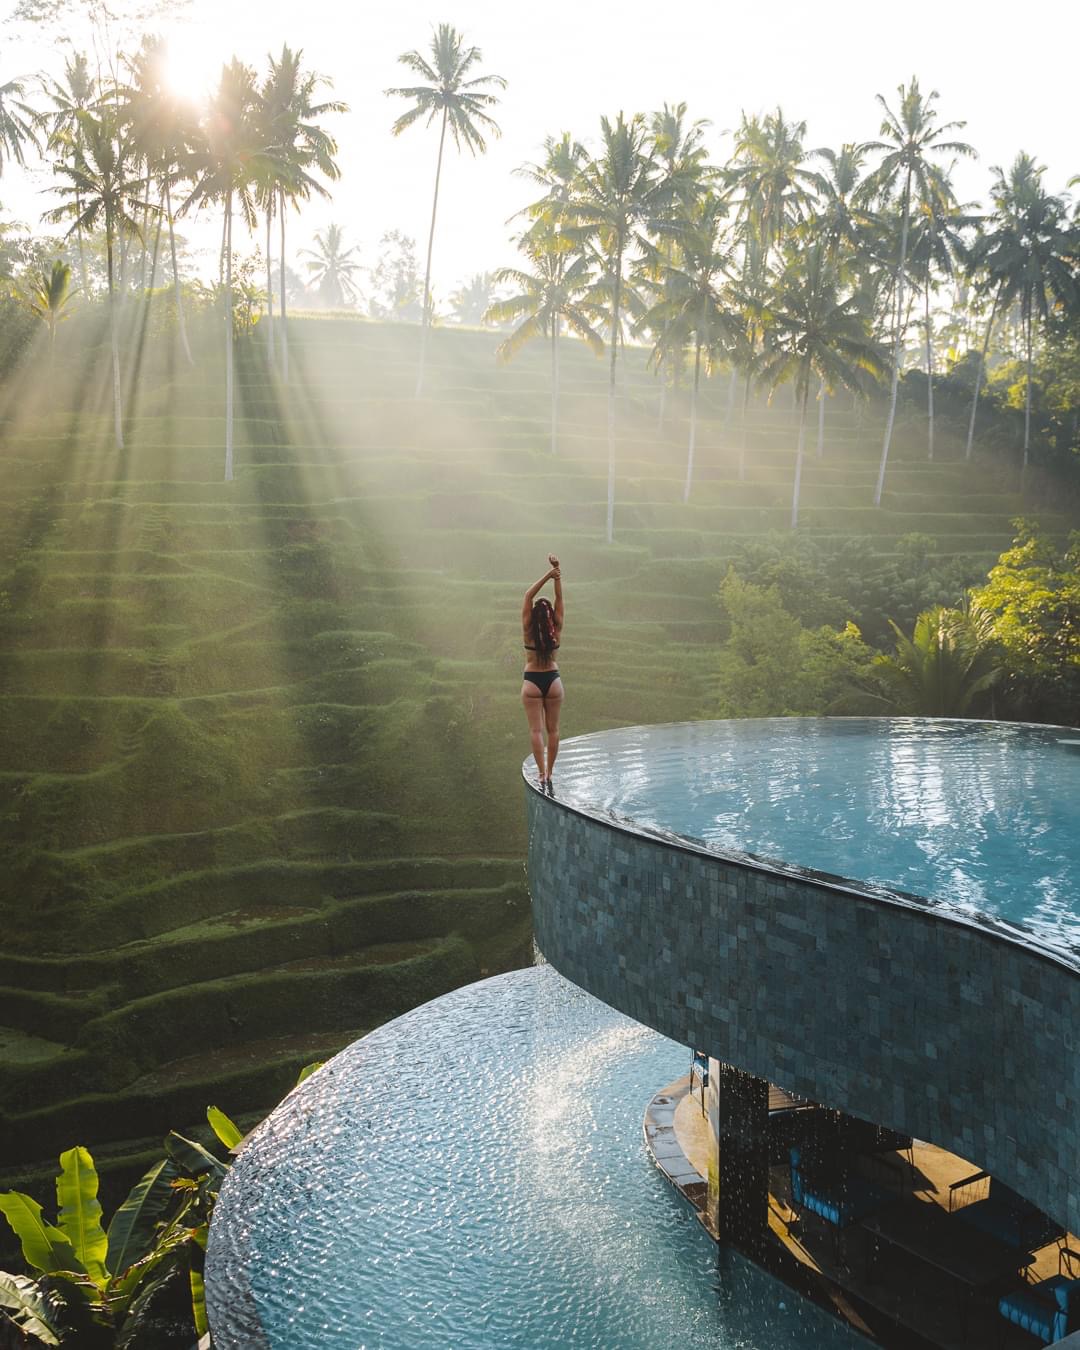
(298,149)
(164,134)
(949,660)
(457,103)
(678,150)
(1028,255)
(843,224)
(76,93)
(549,296)
(103,190)
(226,168)
(815,329)
(614,201)
(18,123)
(333,268)
(558,173)
(769,171)
(936,249)
(694,306)
(47,296)
(913,136)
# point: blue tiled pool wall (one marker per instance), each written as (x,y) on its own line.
(896,1015)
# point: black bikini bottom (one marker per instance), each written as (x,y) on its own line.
(543,679)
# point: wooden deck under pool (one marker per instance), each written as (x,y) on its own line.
(901,1302)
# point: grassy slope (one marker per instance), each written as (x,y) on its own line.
(259,742)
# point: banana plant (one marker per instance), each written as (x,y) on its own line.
(93,1285)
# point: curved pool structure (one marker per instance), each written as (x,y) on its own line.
(474,1175)
(882,915)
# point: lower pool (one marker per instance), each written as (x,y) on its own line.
(473,1175)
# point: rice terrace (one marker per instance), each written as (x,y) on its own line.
(800,429)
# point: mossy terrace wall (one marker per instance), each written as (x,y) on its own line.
(260,741)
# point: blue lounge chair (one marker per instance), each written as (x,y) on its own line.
(839,1197)
(1048,1310)
(1003,1214)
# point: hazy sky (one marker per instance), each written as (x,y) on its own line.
(1009,72)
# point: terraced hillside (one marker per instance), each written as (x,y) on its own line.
(260,740)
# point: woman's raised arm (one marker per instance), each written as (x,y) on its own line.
(557,573)
(531,593)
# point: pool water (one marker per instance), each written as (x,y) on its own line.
(473,1175)
(981,817)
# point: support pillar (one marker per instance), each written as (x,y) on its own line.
(739,1173)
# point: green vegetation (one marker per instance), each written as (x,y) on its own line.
(260,740)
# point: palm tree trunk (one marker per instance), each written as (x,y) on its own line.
(228,341)
(929,374)
(693,420)
(554,383)
(176,277)
(82,246)
(284,316)
(898,344)
(145,226)
(269,290)
(663,379)
(118,414)
(799,453)
(1027,391)
(427,270)
(821,419)
(733,383)
(224,245)
(978,376)
(616,301)
(742,435)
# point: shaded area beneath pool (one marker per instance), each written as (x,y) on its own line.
(980,819)
(474,1174)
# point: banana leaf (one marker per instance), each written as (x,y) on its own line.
(43,1247)
(197,1274)
(308,1070)
(225,1129)
(29,1308)
(192,1158)
(79,1211)
(133,1226)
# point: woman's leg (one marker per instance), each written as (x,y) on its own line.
(533,703)
(552,708)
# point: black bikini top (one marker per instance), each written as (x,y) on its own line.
(532,649)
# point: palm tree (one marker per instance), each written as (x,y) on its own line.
(1028,255)
(77,93)
(679,153)
(548,296)
(767,168)
(936,246)
(458,103)
(227,167)
(333,268)
(102,192)
(814,329)
(164,134)
(941,669)
(47,297)
(18,122)
(615,197)
(913,135)
(298,149)
(694,306)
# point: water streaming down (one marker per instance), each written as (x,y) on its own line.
(473,1175)
(981,818)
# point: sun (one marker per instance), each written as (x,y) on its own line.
(192,64)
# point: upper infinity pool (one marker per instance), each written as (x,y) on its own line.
(980,817)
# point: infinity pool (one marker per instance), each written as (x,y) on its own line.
(979,817)
(473,1176)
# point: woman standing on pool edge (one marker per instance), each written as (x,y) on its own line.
(541,685)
